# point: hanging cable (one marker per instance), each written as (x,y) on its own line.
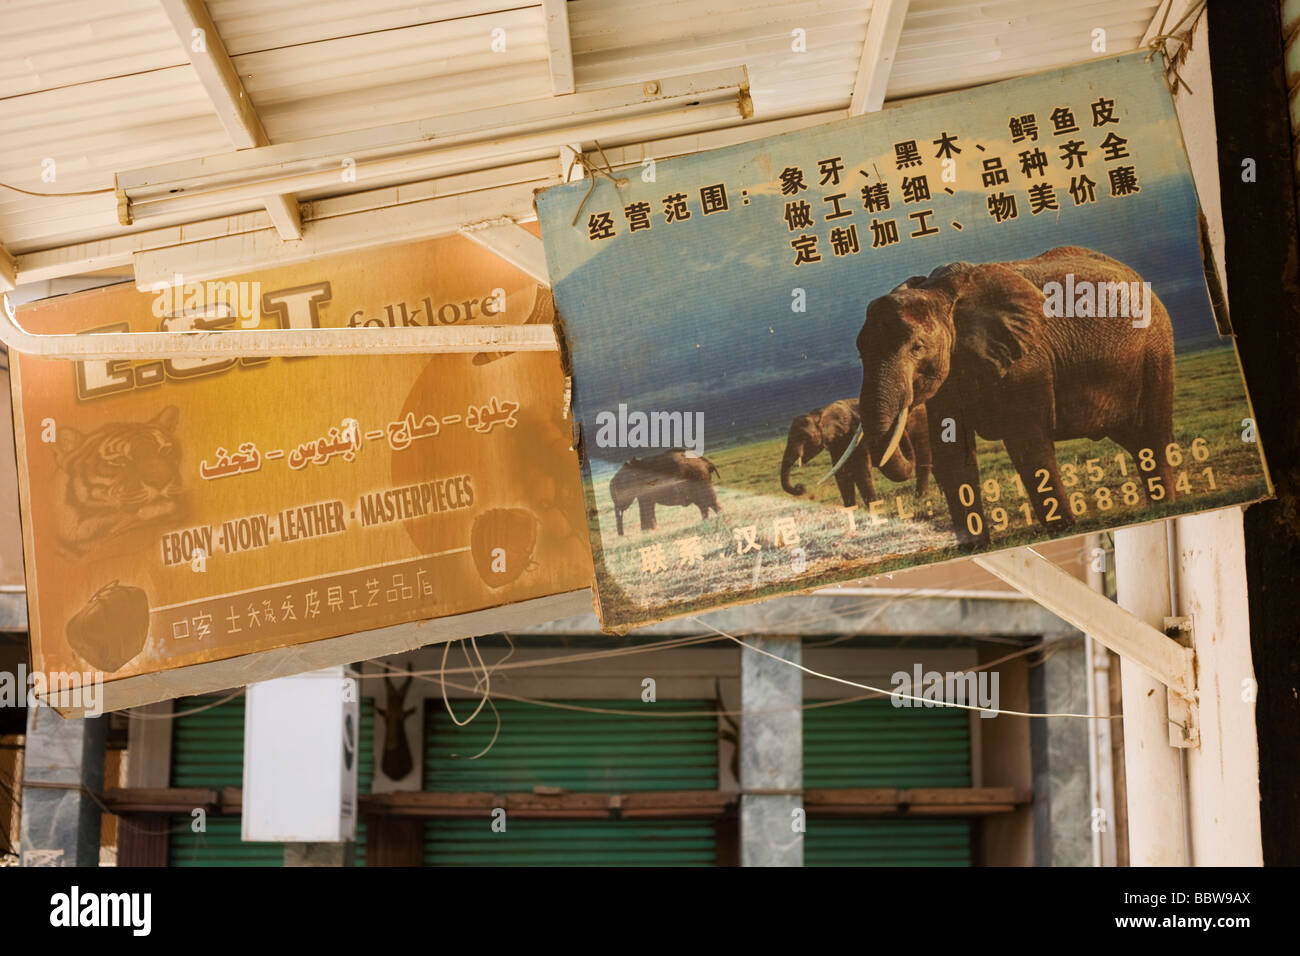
(140,715)
(646,712)
(898,694)
(84,192)
(487,690)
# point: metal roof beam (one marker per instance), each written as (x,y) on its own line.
(878,51)
(286,215)
(215,70)
(559,45)
(636,152)
(8,271)
(338,235)
(117,252)
(488,133)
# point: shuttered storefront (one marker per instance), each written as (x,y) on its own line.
(866,842)
(208,751)
(576,751)
(365,769)
(863,744)
(871,743)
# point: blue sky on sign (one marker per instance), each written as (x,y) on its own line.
(696,315)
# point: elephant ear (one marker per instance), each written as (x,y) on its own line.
(951,269)
(997,315)
(940,272)
(911,282)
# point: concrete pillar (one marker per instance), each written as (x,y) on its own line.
(771,754)
(1153,771)
(1059,748)
(64,758)
(1223,772)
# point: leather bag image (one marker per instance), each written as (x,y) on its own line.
(112,627)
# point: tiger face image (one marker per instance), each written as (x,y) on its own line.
(119,477)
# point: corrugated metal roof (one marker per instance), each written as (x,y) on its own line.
(90,131)
(249,26)
(624,41)
(950,44)
(393,76)
(101,88)
(48,44)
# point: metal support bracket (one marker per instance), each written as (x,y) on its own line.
(513,244)
(1183,729)
(1170,661)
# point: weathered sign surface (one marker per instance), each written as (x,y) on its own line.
(1000,291)
(184,511)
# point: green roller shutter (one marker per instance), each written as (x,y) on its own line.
(577,751)
(871,743)
(469,842)
(208,751)
(365,768)
(219,846)
(853,841)
(208,746)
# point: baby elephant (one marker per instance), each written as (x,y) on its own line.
(669,478)
(832,428)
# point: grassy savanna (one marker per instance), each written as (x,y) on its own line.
(1102,490)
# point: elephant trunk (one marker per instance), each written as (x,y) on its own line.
(618,493)
(902,465)
(885,403)
(793,456)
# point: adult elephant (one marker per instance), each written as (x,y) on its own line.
(833,428)
(974,343)
(669,478)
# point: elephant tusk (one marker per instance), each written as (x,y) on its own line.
(844,457)
(798,462)
(895,437)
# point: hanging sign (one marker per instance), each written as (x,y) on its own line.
(985,311)
(177,512)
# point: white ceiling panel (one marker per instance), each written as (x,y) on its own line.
(392,76)
(250,26)
(90,131)
(103,86)
(625,41)
(951,44)
(46,44)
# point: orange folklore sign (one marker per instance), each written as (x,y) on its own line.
(188,510)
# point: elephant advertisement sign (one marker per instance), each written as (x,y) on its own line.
(183,511)
(973,322)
